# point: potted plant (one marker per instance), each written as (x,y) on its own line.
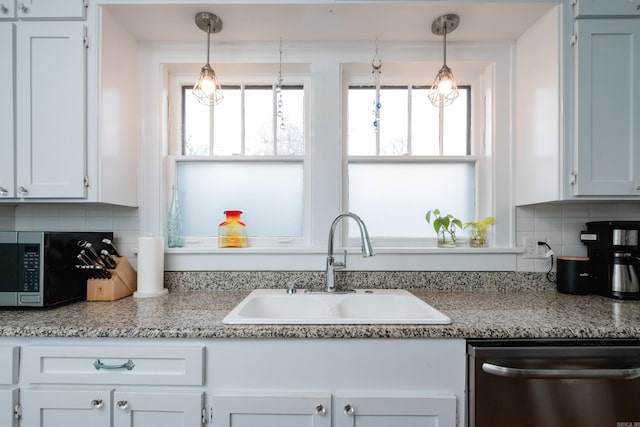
(478,238)
(445,227)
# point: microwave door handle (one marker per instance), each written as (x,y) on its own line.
(576,373)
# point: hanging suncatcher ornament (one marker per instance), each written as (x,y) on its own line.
(376,70)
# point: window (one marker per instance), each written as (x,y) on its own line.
(417,158)
(247,153)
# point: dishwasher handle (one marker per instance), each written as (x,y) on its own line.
(575,373)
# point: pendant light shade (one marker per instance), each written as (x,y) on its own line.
(444,89)
(207,89)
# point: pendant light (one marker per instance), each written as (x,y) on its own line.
(444,89)
(207,89)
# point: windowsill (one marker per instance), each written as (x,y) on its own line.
(313,259)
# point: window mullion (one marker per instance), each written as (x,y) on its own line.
(441,130)
(409,118)
(274,119)
(242,120)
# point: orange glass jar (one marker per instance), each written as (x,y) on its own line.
(232,233)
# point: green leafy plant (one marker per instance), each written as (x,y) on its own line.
(444,225)
(479,231)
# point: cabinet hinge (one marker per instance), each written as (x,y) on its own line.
(17,412)
(87,183)
(574,39)
(85,40)
(207,415)
(573,178)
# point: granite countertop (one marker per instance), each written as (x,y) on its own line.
(474,313)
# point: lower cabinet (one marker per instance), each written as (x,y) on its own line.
(108,407)
(9,406)
(319,410)
(272,410)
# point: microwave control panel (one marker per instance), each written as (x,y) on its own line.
(30,268)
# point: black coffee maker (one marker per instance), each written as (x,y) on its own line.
(614,257)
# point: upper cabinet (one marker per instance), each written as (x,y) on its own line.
(606,8)
(42,140)
(607,107)
(578,104)
(68,128)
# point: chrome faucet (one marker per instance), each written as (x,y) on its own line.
(332,265)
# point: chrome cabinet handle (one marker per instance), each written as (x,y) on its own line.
(320,410)
(128,365)
(577,373)
(348,409)
(4,9)
(96,403)
(122,404)
(3,191)
(23,191)
(23,8)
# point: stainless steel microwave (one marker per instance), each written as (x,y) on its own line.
(38,268)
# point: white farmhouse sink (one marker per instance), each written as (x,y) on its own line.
(384,306)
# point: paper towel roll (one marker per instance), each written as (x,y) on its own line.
(150,267)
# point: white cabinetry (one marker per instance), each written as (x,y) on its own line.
(50,109)
(9,394)
(608,8)
(339,383)
(43,87)
(317,410)
(7,154)
(91,386)
(607,104)
(282,410)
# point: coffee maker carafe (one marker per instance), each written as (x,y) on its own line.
(614,257)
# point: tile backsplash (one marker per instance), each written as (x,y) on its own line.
(559,223)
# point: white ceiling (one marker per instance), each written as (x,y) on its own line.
(318,21)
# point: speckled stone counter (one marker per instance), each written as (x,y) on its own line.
(476,313)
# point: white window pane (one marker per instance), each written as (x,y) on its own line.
(394,120)
(424,124)
(227,124)
(393,198)
(259,122)
(455,126)
(196,126)
(362,138)
(270,195)
(291,133)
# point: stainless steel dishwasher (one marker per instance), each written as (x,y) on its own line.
(554,383)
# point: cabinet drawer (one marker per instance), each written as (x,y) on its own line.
(607,8)
(114,365)
(9,362)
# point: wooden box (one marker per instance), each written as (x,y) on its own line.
(123,282)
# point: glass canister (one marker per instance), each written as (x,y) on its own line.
(232,233)
(174,222)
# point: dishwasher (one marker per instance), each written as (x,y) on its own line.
(549,383)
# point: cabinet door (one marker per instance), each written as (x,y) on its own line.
(608,107)
(68,408)
(272,411)
(608,8)
(398,411)
(145,409)
(9,398)
(6,111)
(43,9)
(50,108)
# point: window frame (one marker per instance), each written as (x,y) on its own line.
(488,63)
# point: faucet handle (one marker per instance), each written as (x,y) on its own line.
(342,264)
